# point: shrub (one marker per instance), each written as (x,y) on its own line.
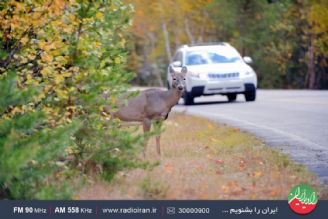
(30,152)
(73,54)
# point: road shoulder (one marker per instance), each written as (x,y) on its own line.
(205,160)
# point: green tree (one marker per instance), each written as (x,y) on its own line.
(247,25)
(286,39)
(30,152)
(300,44)
(73,54)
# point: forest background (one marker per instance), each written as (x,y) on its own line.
(286,39)
(63,62)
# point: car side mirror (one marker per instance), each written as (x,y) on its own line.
(176,64)
(248,59)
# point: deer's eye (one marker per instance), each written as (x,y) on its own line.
(184,79)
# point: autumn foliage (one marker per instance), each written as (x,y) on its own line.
(287,40)
(64,56)
(63,61)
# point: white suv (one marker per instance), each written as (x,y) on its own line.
(214,69)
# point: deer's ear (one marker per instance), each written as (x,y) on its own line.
(173,74)
(171,70)
(184,70)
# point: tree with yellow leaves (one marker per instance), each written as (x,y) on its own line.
(160,27)
(70,53)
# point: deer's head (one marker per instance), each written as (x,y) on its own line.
(179,79)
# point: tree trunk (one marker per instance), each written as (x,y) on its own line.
(154,66)
(200,37)
(188,32)
(311,65)
(242,24)
(158,75)
(167,41)
(177,41)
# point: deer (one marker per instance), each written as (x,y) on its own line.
(153,106)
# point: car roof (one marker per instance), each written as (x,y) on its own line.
(223,47)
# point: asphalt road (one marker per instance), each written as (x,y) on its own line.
(294,121)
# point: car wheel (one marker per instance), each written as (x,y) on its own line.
(232,97)
(188,98)
(250,95)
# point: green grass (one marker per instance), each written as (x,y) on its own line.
(152,189)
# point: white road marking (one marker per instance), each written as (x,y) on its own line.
(223,117)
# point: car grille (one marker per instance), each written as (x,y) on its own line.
(217,76)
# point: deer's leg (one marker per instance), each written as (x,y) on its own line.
(158,144)
(158,126)
(146,124)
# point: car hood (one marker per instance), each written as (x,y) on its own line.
(219,68)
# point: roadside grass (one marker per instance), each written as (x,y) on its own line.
(205,160)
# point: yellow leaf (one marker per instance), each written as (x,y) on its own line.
(46,57)
(122,43)
(58,79)
(31,56)
(46,71)
(23,60)
(42,44)
(41,96)
(68,29)
(66,74)
(16,110)
(70,89)
(71,17)
(99,126)
(97,44)
(46,109)
(117,60)
(24,40)
(257,174)
(113,100)
(69,150)
(168,168)
(14,24)
(28,79)
(99,15)
(88,20)
(61,93)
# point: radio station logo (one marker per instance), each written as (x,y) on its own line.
(302,199)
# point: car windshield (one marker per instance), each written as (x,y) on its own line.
(211,57)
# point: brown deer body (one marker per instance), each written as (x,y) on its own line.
(153,105)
